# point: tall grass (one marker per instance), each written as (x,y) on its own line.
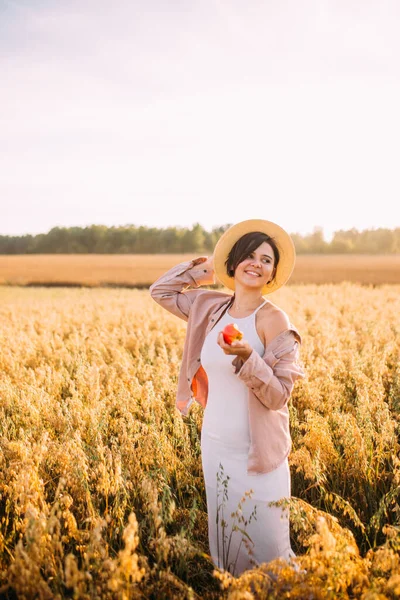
(101,487)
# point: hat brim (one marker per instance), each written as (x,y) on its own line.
(287,252)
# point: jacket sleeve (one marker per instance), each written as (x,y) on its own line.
(271,378)
(171,289)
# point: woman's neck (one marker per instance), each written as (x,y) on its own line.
(247,301)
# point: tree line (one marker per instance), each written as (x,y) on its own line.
(132,239)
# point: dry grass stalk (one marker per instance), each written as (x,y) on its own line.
(101,488)
(142,269)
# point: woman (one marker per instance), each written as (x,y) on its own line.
(244,387)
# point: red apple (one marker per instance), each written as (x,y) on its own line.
(231,332)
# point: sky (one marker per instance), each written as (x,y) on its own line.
(199,111)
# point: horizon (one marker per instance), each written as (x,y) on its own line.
(327,239)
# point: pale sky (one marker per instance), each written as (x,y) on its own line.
(211,111)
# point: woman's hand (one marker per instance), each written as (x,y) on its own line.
(205,266)
(237,348)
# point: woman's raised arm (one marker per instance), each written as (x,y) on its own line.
(171,290)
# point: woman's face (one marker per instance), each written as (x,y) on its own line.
(257,269)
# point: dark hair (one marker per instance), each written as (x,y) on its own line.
(245,246)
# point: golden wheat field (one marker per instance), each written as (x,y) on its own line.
(142,269)
(101,487)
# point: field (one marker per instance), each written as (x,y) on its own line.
(101,485)
(142,269)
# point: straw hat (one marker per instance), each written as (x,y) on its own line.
(281,238)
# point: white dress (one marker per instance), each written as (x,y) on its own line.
(249,532)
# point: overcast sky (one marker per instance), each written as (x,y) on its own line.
(176,112)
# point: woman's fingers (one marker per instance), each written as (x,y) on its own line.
(221,342)
(200,260)
(235,348)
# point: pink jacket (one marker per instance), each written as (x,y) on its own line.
(270,378)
